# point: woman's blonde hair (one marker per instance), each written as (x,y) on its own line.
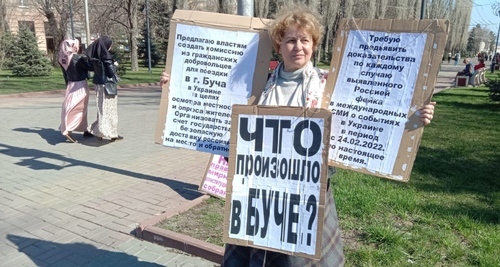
(299,16)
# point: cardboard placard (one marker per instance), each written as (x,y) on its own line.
(214,61)
(277,179)
(214,181)
(382,72)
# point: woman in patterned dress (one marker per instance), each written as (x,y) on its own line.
(106,125)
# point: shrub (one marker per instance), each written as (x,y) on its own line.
(27,60)
(494,93)
(7,43)
(120,56)
(142,49)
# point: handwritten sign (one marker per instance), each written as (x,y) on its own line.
(215,178)
(278,170)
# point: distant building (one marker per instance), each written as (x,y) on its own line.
(24,13)
(21,13)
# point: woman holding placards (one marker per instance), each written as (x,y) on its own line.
(296,34)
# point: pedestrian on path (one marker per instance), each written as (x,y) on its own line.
(495,61)
(457,58)
(75,69)
(106,125)
(449,57)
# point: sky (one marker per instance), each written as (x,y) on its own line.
(483,14)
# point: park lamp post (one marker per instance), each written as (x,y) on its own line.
(422,9)
(87,28)
(148,37)
(245,7)
(71,19)
(496,11)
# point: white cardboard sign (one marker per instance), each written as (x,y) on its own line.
(278,179)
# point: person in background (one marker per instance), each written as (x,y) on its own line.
(480,65)
(75,69)
(457,58)
(496,59)
(449,57)
(469,69)
(106,125)
(296,34)
(493,63)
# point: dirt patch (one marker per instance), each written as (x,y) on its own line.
(351,239)
(204,221)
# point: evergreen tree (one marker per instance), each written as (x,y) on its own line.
(142,49)
(119,55)
(160,15)
(26,58)
(470,44)
(7,44)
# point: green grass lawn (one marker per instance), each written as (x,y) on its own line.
(14,85)
(448,214)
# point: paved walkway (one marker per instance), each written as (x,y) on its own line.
(65,204)
(446,77)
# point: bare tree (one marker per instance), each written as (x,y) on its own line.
(3,29)
(459,17)
(477,36)
(117,18)
(261,8)
(381,9)
(57,14)
(329,10)
(439,8)
(103,19)
(227,6)
(122,16)
(491,44)
(3,15)
(131,24)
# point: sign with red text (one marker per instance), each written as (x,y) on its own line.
(215,179)
(214,61)
(384,71)
(277,178)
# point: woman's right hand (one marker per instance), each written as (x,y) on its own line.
(165,78)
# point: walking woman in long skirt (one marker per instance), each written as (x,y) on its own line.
(74,109)
(106,125)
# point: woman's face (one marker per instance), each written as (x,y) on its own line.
(296,49)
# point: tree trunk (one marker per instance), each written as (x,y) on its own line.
(3,15)
(261,8)
(133,32)
(134,62)
(57,31)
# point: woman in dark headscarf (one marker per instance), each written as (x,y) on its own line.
(106,125)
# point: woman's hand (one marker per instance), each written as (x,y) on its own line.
(427,113)
(165,78)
